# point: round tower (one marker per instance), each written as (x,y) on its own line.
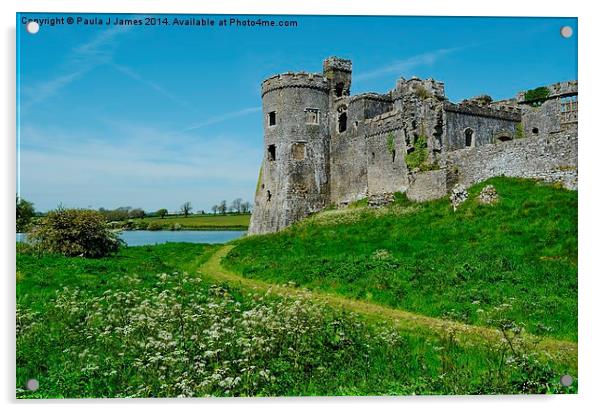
(294,176)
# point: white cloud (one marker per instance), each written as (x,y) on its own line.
(406,65)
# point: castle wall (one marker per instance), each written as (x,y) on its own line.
(557,113)
(551,158)
(385,151)
(488,125)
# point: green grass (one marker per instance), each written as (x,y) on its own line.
(40,277)
(516,259)
(143,323)
(204,222)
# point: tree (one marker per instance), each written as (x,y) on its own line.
(236,205)
(162,213)
(222,208)
(186,208)
(74,232)
(25,212)
(245,207)
(214,209)
(137,213)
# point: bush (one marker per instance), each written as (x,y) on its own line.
(154,225)
(74,232)
(142,225)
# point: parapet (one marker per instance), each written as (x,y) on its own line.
(417,86)
(568,88)
(337,63)
(294,79)
(371,96)
(384,123)
(495,112)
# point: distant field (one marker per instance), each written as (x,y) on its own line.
(240,221)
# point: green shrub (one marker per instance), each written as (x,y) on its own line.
(520,131)
(176,226)
(535,96)
(422,92)
(390,143)
(154,226)
(418,157)
(74,232)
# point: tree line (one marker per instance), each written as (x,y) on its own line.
(26,211)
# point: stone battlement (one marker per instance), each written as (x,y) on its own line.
(371,96)
(496,112)
(336,63)
(415,85)
(560,89)
(384,123)
(294,79)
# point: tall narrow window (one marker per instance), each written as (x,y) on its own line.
(342,122)
(468,137)
(272,152)
(272,118)
(338,89)
(312,116)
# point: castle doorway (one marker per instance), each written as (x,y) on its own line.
(468,137)
(342,122)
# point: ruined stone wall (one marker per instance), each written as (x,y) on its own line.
(429,185)
(385,151)
(553,114)
(488,125)
(348,162)
(294,176)
(551,158)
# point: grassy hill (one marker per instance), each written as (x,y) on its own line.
(514,260)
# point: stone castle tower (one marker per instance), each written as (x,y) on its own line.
(323,146)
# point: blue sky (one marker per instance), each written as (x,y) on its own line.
(151,117)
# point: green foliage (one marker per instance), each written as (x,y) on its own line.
(520,131)
(537,95)
(154,225)
(418,158)
(139,325)
(25,212)
(162,213)
(390,143)
(74,232)
(521,251)
(422,92)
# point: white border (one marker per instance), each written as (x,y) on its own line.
(589,199)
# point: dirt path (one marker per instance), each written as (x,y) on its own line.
(563,351)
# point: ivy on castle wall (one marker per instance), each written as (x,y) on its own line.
(390,143)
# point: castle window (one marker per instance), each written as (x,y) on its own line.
(298,151)
(342,122)
(568,104)
(393,155)
(535,130)
(272,152)
(269,195)
(312,116)
(338,89)
(272,118)
(468,137)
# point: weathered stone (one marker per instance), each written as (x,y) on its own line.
(488,195)
(458,195)
(323,146)
(380,199)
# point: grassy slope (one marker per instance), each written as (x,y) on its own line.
(516,259)
(240,221)
(123,329)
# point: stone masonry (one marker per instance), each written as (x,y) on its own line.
(323,146)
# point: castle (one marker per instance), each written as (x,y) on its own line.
(325,147)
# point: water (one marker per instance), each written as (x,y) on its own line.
(152,237)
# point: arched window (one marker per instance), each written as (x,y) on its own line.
(469,137)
